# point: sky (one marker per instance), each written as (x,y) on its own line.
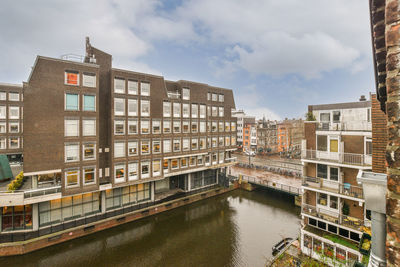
(278,56)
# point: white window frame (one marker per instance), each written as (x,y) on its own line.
(119,122)
(155,174)
(185,107)
(88,79)
(119,85)
(77,178)
(145,175)
(177,110)
(133,87)
(3,143)
(143,104)
(173,145)
(154,123)
(94,175)
(66,80)
(133,144)
(178,123)
(142,126)
(94,151)
(3,96)
(221,98)
(85,128)
(166,123)
(195,140)
(13,96)
(3,128)
(68,148)
(154,142)
(118,101)
(130,123)
(167,146)
(142,142)
(10,108)
(145,88)
(185,93)
(202,111)
(121,179)
(221,111)
(122,152)
(185,144)
(133,166)
(195,111)
(69,123)
(134,111)
(166,109)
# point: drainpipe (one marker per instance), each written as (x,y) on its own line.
(374,187)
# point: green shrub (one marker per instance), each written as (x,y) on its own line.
(17,182)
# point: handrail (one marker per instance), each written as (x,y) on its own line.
(341,157)
(344,126)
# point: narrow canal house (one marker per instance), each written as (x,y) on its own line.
(337,145)
(99,141)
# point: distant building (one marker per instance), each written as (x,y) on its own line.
(289,135)
(243,119)
(267,136)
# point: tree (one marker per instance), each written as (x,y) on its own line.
(310,116)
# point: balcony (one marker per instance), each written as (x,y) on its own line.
(344,126)
(340,157)
(334,217)
(334,187)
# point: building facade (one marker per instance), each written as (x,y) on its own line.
(336,147)
(100,141)
(242,120)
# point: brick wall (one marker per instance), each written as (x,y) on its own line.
(379,136)
(309,134)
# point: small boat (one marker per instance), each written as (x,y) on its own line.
(281,245)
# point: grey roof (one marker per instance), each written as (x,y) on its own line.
(348,105)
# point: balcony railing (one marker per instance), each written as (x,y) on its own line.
(314,180)
(42,191)
(352,222)
(341,188)
(344,126)
(351,190)
(341,157)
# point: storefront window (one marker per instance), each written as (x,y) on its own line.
(16,218)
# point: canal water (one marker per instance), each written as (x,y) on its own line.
(235,229)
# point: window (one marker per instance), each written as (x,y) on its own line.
(119,173)
(145,88)
(72,178)
(145,108)
(119,106)
(220,141)
(322,142)
(199,160)
(89,127)
(2,127)
(13,96)
(119,86)
(132,171)
(221,98)
(195,111)
(89,175)
(185,110)
(185,144)
(3,95)
(71,127)
(233,126)
(89,151)
(214,97)
(221,157)
(322,171)
(221,126)
(177,145)
(221,111)
(71,102)
(185,93)
(174,164)
(177,126)
(13,113)
(322,199)
(177,110)
(233,143)
(145,149)
(194,126)
(145,169)
(202,143)
(192,161)
(184,162)
(72,77)
(167,109)
(227,140)
(325,117)
(119,127)
(194,143)
(156,126)
(166,166)
(132,87)
(13,142)
(16,218)
(156,146)
(334,174)
(89,79)
(132,127)
(214,111)
(167,145)
(167,126)
(202,111)
(71,152)
(132,148)
(333,145)
(132,107)
(214,158)
(208,111)
(368,147)
(214,127)
(145,126)
(2,143)
(368,114)
(2,112)
(208,96)
(119,149)
(333,202)
(214,142)
(185,126)
(202,126)
(336,116)
(156,167)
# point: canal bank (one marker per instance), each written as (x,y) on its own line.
(237,228)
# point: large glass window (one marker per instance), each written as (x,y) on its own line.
(89,151)
(16,218)
(336,116)
(221,111)
(13,96)
(119,86)
(221,98)
(89,127)
(71,77)
(167,109)
(71,127)
(325,117)
(145,126)
(333,202)
(177,145)
(2,112)
(14,127)
(177,110)
(132,87)
(89,103)
(185,110)
(322,199)
(145,108)
(119,149)
(119,106)
(130,195)
(185,144)
(89,175)
(13,112)
(202,127)
(194,126)
(71,102)
(174,164)
(202,143)
(132,107)
(214,111)
(71,152)
(334,174)
(221,126)
(145,88)
(195,111)
(322,142)
(202,111)
(13,142)
(195,143)
(3,95)
(322,171)
(72,178)
(185,126)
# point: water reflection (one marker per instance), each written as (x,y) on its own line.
(236,229)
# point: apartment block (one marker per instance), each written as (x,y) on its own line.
(100,141)
(242,119)
(249,136)
(336,147)
(11,126)
(266,136)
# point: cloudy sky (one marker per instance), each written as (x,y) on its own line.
(277,55)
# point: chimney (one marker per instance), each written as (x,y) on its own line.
(362,98)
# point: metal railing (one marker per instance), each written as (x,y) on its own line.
(352,222)
(341,157)
(345,126)
(73,57)
(338,218)
(314,180)
(351,190)
(274,185)
(42,191)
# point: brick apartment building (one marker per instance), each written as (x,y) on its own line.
(266,136)
(336,147)
(99,141)
(289,135)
